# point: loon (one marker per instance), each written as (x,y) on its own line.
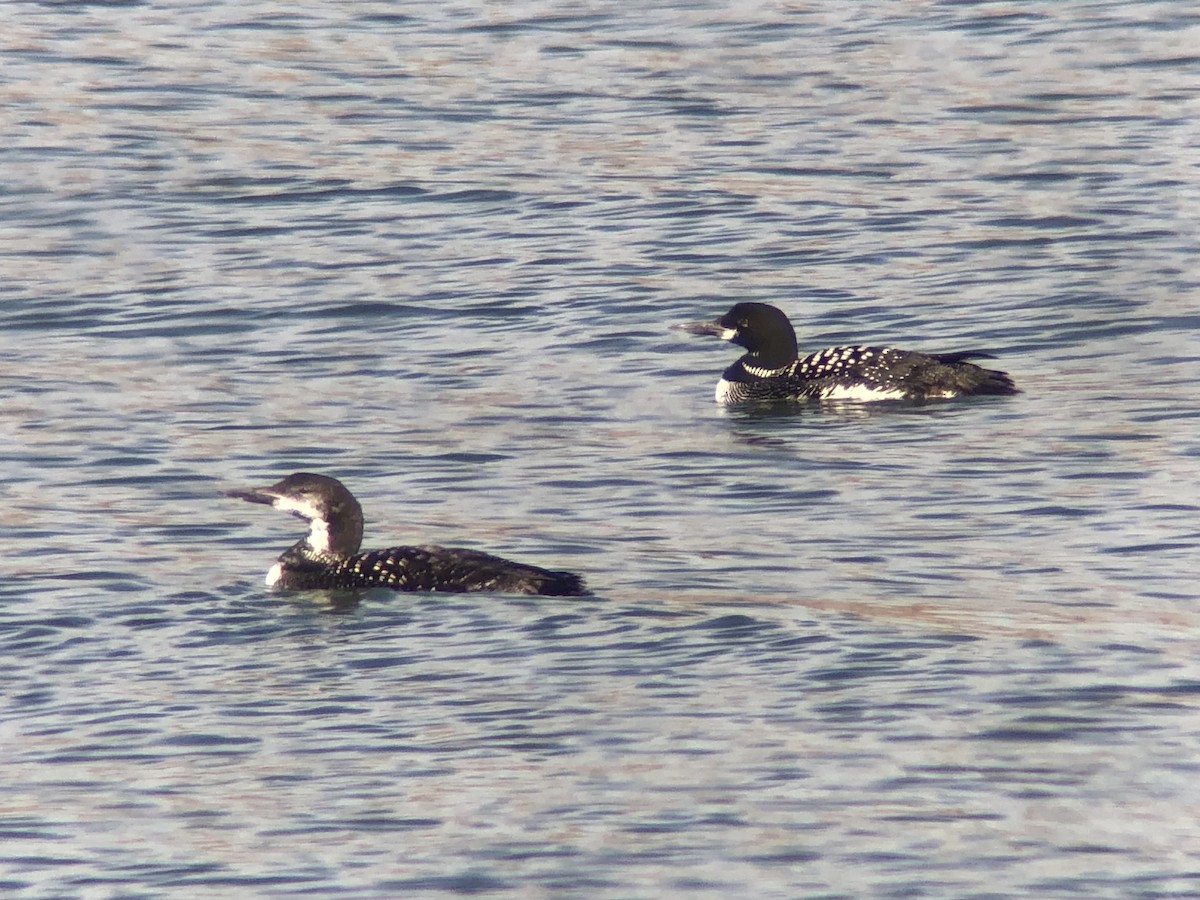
(773,369)
(329,557)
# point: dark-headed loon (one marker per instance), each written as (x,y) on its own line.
(328,558)
(773,369)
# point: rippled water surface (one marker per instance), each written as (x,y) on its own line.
(435,250)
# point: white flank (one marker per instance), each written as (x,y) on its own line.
(275,573)
(861,392)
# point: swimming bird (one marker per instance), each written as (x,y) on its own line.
(772,370)
(329,558)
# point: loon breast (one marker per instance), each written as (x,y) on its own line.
(725,391)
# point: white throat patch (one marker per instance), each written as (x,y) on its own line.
(318,533)
(318,536)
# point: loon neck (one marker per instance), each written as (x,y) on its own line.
(772,351)
(304,551)
(754,365)
(330,543)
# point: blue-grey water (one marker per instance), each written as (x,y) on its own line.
(435,249)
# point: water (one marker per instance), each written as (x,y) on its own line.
(434,249)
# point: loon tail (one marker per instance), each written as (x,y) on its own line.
(549,583)
(975,379)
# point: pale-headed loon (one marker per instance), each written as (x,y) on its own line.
(329,557)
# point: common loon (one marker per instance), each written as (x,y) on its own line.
(773,370)
(329,558)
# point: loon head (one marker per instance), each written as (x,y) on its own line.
(334,516)
(761,328)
